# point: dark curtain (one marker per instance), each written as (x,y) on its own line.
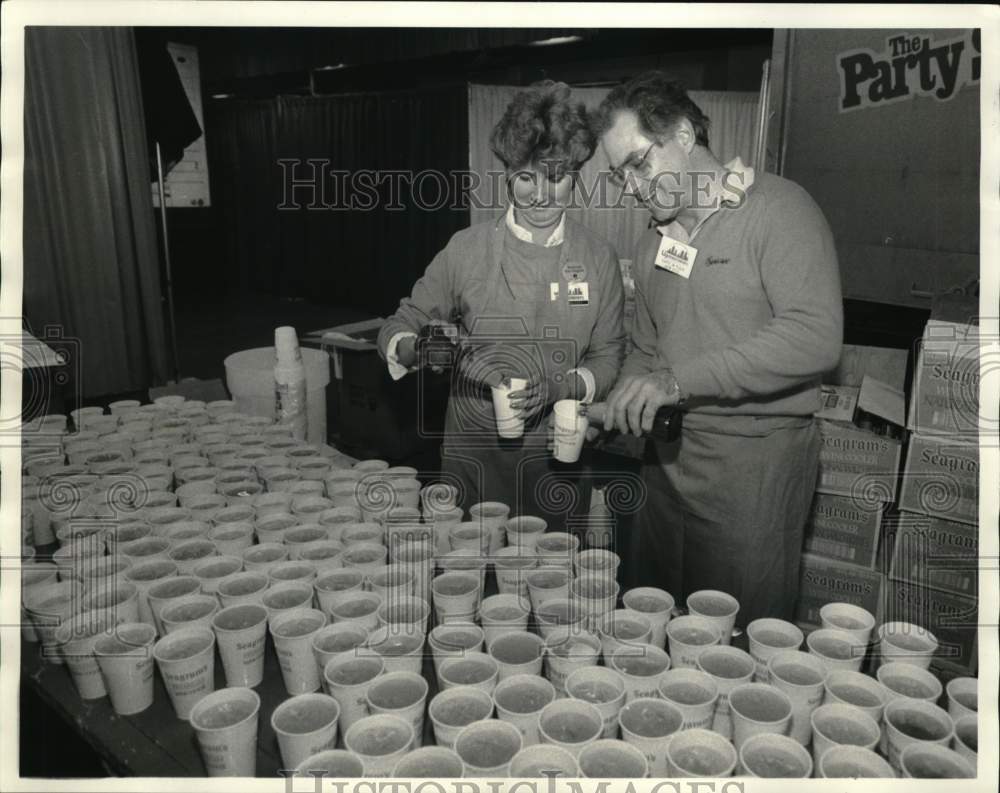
(366,259)
(90,257)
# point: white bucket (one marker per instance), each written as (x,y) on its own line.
(250,379)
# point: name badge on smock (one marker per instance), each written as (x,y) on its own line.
(574,271)
(578,294)
(676,257)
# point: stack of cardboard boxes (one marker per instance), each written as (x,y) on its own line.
(932,575)
(902,544)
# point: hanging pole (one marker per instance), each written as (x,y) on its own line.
(166,257)
(760,155)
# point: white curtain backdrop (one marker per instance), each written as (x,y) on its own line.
(733,129)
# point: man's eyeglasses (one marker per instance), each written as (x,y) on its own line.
(640,166)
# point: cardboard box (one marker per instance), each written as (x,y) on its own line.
(855,461)
(951,618)
(945,396)
(843,529)
(935,553)
(941,478)
(825,581)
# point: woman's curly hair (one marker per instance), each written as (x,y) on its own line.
(542,128)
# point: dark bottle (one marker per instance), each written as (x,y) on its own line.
(666,422)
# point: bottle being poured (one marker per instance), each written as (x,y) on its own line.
(289,383)
(666,422)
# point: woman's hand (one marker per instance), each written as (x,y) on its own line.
(530,399)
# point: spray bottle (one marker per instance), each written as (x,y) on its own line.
(289,383)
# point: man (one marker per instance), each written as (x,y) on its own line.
(738,313)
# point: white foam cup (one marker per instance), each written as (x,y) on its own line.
(293,632)
(688,637)
(855,688)
(306,724)
(700,753)
(75,638)
(566,650)
(963,697)
(518,653)
(500,614)
(909,721)
(361,608)
(347,679)
(456,596)
(225,723)
(601,688)
(693,693)
(622,628)
(470,669)
(613,759)
(767,637)
(380,741)
(596,597)
(853,762)
(452,709)
(126,663)
(641,667)
(836,649)
(519,699)
(930,761)
(511,568)
(547,583)
(847,617)
(333,640)
(241,632)
(720,608)
(729,667)
(801,677)
(211,571)
(143,575)
(770,756)
(430,762)
(402,649)
(509,423)
(162,592)
(331,764)
(402,694)
(453,639)
(648,724)
(248,586)
(335,586)
(758,708)
(188,612)
(966,740)
(523,531)
(654,604)
(543,761)
(906,643)
(186,659)
(569,431)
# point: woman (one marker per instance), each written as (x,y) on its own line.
(535,295)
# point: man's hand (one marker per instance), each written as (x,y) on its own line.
(406,351)
(633,402)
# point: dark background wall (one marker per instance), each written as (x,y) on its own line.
(396,101)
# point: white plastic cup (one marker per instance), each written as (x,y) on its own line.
(189,612)
(648,724)
(700,753)
(518,653)
(767,637)
(693,693)
(720,608)
(241,632)
(566,650)
(839,725)
(569,431)
(500,614)
(162,592)
(836,649)
(519,699)
(523,532)
(729,667)
(966,740)
(602,688)
(509,424)
(487,747)
(75,638)
(335,586)
(212,571)
(380,741)
(641,668)
(847,617)
(248,586)
(402,694)
(688,637)
(452,709)
(770,756)
(853,762)
(331,764)
(929,761)
(225,723)
(511,570)
(963,697)
(855,688)
(452,639)
(758,708)
(126,662)
(430,762)
(347,679)
(801,677)
(909,721)
(306,724)
(547,583)
(144,575)
(361,608)
(293,632)
(906,643)
(456,596)
(654,604)
(186,659)
(470,669)
(543,761)
(284,597)
(493,515)
(623,628)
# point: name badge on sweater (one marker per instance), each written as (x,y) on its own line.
(578,294)
(676,257)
